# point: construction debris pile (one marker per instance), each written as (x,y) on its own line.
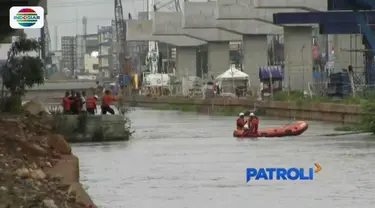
(34,166)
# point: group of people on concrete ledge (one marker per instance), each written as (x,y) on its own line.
(75,103)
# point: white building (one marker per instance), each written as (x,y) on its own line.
(106,56)
(91,64)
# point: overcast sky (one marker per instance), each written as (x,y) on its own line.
(66,16)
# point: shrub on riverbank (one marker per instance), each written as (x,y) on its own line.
(20,71)
(368,116)
(367,122)
(299,97)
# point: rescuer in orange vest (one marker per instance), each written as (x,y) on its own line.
(91,104)
(66,103)
(253,123)
(241,121)
(107,100)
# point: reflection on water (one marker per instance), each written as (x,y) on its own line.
(182,160)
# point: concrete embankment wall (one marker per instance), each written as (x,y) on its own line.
(67,167)
(92,128)
(341,113)
(83,127)
(41,170)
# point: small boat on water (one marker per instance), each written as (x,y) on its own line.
(293,129)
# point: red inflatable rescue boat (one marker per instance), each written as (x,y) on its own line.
(293,129)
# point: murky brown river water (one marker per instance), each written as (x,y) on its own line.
(182,160)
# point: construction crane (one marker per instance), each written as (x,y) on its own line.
(123,55)
(124,59)
(172,5)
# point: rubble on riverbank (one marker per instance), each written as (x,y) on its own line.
(37,168)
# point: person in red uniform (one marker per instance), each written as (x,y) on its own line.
(91,104)
(66,103)
(107,100)
(78,103)
(253,124)
(241,121)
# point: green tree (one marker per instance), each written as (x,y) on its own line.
(20,71)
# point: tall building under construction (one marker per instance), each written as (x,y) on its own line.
(69,52)
(108,51)
(107,58)
(86,44)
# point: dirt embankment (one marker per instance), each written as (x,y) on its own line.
(37,168)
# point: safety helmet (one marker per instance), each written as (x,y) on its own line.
(242,114)
(96,97)
(252,114)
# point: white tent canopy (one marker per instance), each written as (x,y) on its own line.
(233,73)
(233,80)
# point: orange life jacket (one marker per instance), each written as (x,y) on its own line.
(107,100)
(91,102)
(240,122)
(254,121)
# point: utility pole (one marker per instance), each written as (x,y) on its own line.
(43,49)
(56,38)
(83,43)
(72,52)
(84,24)
(43,43)
(100,59)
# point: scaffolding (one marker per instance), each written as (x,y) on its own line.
(106,58)
(362,61)
(356,55)
(68,50)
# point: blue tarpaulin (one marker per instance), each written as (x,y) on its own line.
(275,71)
(320,75)
(124,79)
(321,17)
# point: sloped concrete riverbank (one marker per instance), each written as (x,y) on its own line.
(37,167)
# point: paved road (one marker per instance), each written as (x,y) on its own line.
(180,160)
(65,86)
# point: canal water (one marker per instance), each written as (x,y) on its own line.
(183,160)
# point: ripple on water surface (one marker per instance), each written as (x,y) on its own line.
(183,160)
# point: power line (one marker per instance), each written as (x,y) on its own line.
(79,20)
(79,3)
